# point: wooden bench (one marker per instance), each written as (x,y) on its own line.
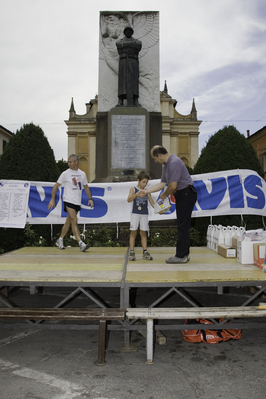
(74,314)
(151,314)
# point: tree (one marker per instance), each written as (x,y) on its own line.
(226,150)
(62,165)
(29,156)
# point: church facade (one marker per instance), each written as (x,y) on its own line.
(179,132)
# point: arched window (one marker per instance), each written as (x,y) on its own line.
(185,160)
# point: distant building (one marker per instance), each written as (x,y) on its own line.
(179,133)
(5,136)
(258,140)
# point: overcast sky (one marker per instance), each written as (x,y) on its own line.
(210,50)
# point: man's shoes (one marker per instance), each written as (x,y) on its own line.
(60,244)
(175,259)
(132,256)
(83,246)
(147,256)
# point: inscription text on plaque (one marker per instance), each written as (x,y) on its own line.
(128,142)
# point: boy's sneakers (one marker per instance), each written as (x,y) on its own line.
(83,246)
(147,256)
(60,243)
(132,256)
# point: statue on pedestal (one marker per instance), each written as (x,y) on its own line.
(128,72)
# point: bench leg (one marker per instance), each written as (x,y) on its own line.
(33,289)
(149,341)
(127,340)
(102,343)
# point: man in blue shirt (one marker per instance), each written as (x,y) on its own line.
(179,183)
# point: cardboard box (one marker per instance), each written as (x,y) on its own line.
(162,205)
(259,254)
(234,241)
(245,251)
(226,251)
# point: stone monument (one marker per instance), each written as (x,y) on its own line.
(128,121)
(128,72)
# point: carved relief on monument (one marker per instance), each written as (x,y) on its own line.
(146,29)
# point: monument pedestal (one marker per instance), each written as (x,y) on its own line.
(124,137)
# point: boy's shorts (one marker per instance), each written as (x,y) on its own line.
(141,221)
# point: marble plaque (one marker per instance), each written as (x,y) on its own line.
(128,142)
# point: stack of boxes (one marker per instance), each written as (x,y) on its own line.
(234,242)
(251,249)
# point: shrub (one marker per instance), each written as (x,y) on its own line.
(31,238)
(165,237)
(101,237)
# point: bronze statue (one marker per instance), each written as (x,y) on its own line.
(128,73)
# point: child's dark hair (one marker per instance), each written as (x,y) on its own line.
(143,175)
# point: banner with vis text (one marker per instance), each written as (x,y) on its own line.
(220,193)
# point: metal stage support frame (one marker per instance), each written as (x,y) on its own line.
(38,268)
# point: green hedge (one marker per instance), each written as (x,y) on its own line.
(107,237)
(102,236)
(40,236)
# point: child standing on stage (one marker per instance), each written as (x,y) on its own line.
(139,216)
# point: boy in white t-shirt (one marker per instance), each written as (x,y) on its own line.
(74,180)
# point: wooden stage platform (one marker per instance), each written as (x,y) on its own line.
(109,267)
(205,266)
(46,265)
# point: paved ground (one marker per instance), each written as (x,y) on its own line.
(59,364)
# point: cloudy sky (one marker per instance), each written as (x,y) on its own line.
(213,51)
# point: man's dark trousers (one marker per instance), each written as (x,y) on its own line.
(185,201)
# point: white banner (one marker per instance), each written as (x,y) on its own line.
(219,193)
(14,196)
